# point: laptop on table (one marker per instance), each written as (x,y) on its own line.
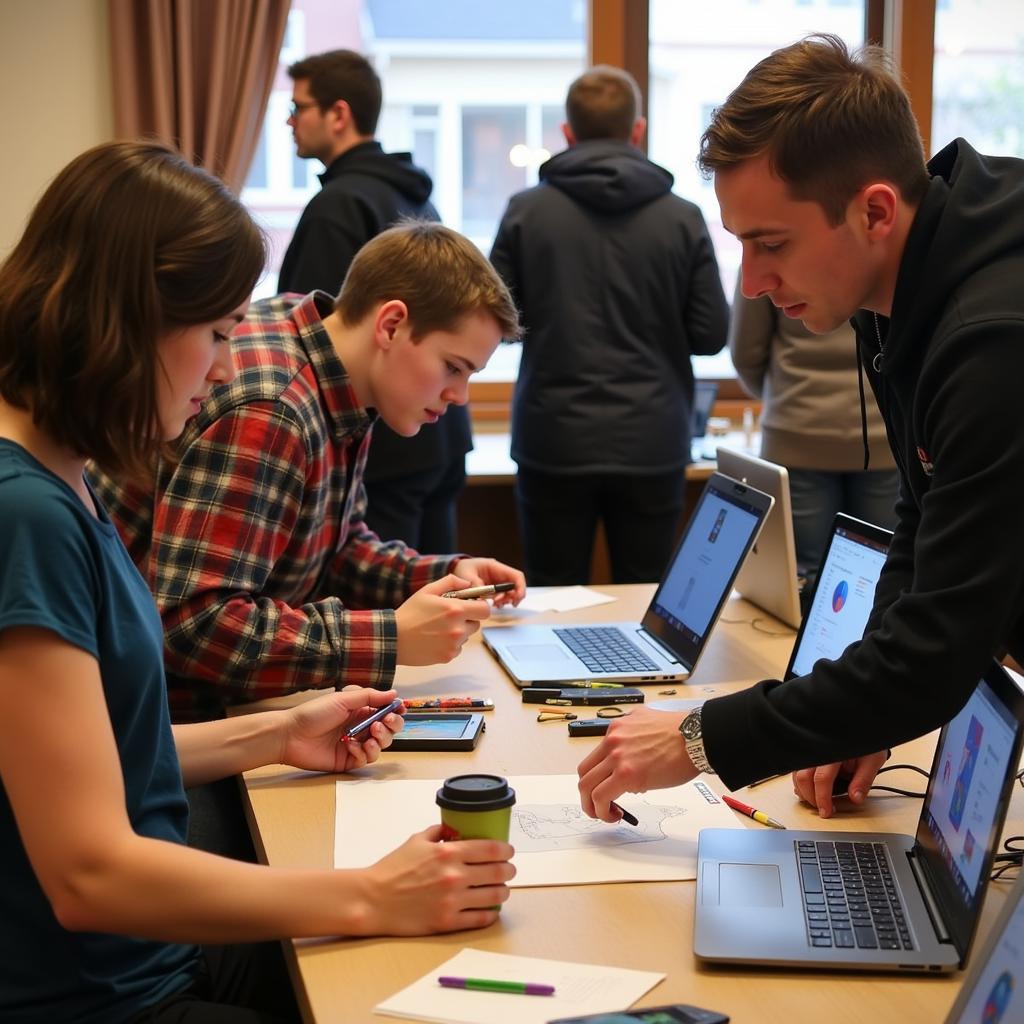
(665,645)
(768,577)
(872,901)
(704,394)
(992,989)
(843,593)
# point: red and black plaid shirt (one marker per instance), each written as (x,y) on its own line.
(254,542)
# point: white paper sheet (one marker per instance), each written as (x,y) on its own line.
(556,843)
(563,599)
(579,989)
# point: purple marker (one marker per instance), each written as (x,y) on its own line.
(523,988)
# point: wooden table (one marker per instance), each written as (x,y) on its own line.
(640,925)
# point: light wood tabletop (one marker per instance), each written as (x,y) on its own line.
(647,926)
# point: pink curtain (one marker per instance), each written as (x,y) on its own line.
(197,74)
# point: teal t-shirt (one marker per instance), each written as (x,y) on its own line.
(63,570)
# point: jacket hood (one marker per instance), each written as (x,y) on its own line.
(972,215)
(608,175)
(396,169)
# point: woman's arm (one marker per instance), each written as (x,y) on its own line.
(306,736)
(60,768)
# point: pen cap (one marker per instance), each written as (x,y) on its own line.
(475,793)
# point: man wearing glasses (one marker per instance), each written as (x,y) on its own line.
(412,483)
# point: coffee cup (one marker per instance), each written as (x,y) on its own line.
(476,807)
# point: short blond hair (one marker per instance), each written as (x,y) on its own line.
(603,103)
(441,276)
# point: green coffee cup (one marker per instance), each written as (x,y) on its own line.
(476,807)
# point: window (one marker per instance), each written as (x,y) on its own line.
(978,85)
(474,91)
(694,65)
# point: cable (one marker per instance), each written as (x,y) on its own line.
(895,789)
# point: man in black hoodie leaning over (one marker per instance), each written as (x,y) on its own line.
(618,286)
(412,483)
(820,173)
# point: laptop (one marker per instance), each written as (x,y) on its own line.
(992,989)
(843,593)
(912,903)
(665,645)
(704,394)
(768,577)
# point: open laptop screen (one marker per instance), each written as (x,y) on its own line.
(723,527)
(844,593)
(971,780)
(992,992)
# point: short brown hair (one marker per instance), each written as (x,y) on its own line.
(830,121)
(129,240)
(441,276)
(343,75)
(603,103)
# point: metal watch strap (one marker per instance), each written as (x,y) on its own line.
(692,732)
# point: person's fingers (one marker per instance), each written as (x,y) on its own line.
(864,776)
(484,851)
(824,776)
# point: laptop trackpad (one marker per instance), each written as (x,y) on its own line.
(528,653)
(749,885)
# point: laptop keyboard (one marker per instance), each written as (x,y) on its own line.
(851,899)
(605,649)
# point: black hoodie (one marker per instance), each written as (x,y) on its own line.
(949,382)
(366,190)
(618,286)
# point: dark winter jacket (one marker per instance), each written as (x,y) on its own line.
(618,286)
(949,382)
(365,191)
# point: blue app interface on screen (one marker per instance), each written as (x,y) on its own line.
(715,542)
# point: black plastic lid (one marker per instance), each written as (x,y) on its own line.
(476,793)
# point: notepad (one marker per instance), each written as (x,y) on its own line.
(563,599)
(579,989)
(556,843)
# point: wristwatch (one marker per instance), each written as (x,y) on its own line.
(691,731)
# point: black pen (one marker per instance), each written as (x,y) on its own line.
(489,591)
(630,819)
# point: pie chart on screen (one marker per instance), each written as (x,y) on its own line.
(839,596)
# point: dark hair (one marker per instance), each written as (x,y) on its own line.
(603,103)
(343,75)
(129,241)
(441,276)
(830,121)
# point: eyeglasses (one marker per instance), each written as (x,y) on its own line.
(295,109)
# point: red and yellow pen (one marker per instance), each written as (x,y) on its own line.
(445,703)
(751,812)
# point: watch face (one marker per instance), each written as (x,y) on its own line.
(691,726)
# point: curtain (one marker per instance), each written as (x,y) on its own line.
(197,75)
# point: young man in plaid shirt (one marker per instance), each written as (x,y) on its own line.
(253,539)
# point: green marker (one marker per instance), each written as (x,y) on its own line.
(523,988)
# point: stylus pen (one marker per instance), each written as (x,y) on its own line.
(630,819)
(489,591)
(751,812)
(524,988)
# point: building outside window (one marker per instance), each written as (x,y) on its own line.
(978,84)
(695,62)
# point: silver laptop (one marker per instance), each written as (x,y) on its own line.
(992,991)
(873,901)
(667,642)
(704,394)
(768,577)
(843,593)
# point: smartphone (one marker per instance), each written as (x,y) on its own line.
(678,1013)
(360,728)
